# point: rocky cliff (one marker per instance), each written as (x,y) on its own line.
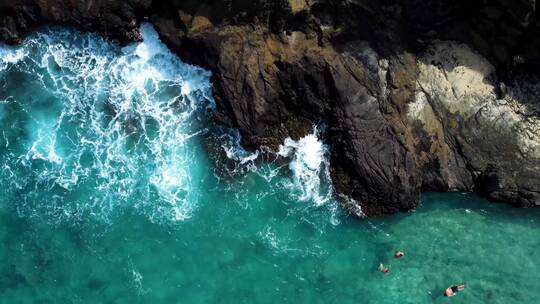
(417,95)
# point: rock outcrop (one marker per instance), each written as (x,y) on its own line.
(485,132)
(405,111)
(114,19)
(417,95)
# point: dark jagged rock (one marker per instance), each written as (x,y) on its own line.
(406,111)
(114,19)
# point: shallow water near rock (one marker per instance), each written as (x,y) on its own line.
(116,187)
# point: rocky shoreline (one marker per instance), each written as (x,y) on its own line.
(417,95)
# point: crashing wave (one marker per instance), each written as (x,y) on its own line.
(307,179)
(310,168)
(111,126)
(10,55)
(308,163)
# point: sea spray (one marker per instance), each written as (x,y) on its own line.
(301,168)
(10,55)
(103,128)
(308,163)
(310,168)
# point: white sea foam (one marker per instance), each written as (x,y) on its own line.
(282,244)
(111,124)
(310,168)
(306,178)
(10,55)
(137,281)
(244,160)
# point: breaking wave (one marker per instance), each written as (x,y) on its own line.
(310,168)
(111,125)
(305,177)
(10,55)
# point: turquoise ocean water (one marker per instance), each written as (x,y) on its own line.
(116,187)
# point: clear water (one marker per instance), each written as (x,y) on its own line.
(117,188)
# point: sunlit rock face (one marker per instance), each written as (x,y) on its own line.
(485,133)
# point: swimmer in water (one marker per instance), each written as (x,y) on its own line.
(384,268)
(453,290)
(399,254)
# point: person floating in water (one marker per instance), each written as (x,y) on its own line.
(453,290)
(384,268)
(399,254)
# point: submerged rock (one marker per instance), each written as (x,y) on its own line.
(439,95)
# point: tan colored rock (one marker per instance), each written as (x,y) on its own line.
(299,5)
(492,140)
(459,84)
(199,23)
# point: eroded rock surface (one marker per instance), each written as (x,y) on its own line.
(416,95)
(496,135)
